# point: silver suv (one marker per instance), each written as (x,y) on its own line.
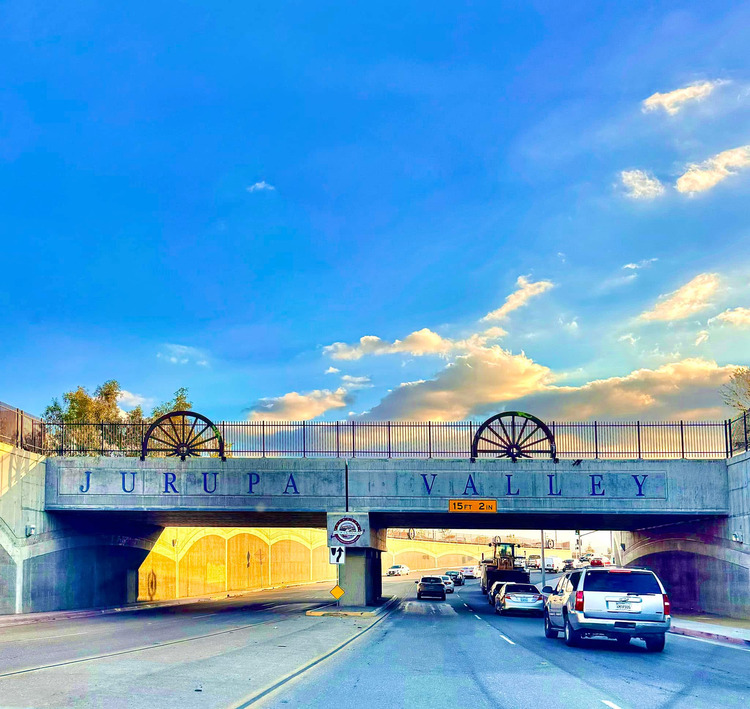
(614,602)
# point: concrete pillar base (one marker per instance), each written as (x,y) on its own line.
(361,577)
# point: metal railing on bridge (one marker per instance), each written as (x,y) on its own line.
(17,428)
(409,439)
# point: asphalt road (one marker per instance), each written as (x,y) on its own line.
(459,653)
(454,653)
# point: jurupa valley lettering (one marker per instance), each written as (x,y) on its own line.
(480,484)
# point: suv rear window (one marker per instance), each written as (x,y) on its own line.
(621,582)
(520,588)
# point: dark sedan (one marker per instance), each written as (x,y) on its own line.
(430,586)
(456,576)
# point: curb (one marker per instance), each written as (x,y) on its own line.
(708,635)
(337,612)
(50,616)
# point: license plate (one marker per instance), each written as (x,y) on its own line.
(622,607)
(526,599)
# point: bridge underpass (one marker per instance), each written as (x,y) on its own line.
(75,529)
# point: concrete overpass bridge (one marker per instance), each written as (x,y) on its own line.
(84,523)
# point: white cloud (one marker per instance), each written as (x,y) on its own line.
(673,101)
(703,176)
(261,186)
(182,354)
(739,317)
(332,370)
(640,185)
(418,343)
(644,263)
(690,298)
(518,298)
(356,382)
(130,400)
(629,338)
(299,407)
(571,326)
(701,337)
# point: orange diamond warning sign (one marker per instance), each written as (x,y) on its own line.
(337,592)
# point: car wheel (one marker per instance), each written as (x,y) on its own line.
(419,596)
(572,637)
(549,631)
(656,643)
(623,640)
(442,598)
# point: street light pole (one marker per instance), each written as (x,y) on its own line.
(544,574)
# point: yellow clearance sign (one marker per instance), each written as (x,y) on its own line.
(472,505)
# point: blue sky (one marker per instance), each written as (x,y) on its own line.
(212,196)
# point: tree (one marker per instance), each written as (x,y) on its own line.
(102,406)
(736,392)
(179,403)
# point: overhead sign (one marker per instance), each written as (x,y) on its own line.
(347,530)
(336,555)
(472,505)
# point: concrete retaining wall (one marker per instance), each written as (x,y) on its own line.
(704,564)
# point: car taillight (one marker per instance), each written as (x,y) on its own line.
(539,598)
(579,601)
(510,596)
(667,605)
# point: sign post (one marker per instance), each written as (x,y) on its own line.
(544,575)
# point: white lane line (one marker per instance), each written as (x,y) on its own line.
(611,705)
(477,617)
(42,638)
(508,640)
(466,604)
(204,616)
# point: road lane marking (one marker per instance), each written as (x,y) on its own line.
(508,640)
(477,617)
(611,705)
(46,637)
(204,616)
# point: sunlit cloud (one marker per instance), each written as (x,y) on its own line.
(673,101)
(332,370)
(701,337)
(518,298)
(300,407)
(685,301)
(629,338)
(643,263)
(700,177)
(738,317)
(640,185)
(418,343)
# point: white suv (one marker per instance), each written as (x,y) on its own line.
(619,603)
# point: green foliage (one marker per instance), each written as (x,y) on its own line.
(179,403)
(81,406)
(736,392)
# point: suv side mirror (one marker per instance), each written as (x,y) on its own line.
(547,590)
(416,582)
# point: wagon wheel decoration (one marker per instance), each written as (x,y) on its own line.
(513,435)
(183,434)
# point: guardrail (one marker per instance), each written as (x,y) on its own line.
(17,428)
(425,439)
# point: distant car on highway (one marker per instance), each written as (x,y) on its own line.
(457,577)
(569,564)
(534,561)
(523,597)
(614,602)
(600,561)
(398,570)
(468,572)
(448,583)
(431,586)
(493,590)
(519,563)
(553,564)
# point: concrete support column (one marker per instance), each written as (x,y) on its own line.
(361,576)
